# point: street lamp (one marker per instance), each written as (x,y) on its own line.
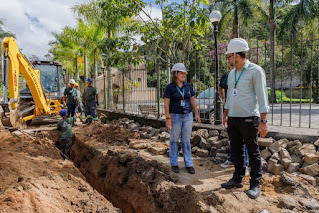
(214,17)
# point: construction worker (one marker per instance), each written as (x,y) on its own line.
(179,104)
(90,99)
(65,128)
(79,107)
(72,100)
(245,115)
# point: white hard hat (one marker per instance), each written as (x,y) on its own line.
(179,67)
(237,45)
(72,81)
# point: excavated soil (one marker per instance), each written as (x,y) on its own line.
(136,180)
(126,179)
(35,178)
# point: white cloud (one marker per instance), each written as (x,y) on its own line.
(33,21)
(153,11)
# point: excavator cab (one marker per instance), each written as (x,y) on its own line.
(51,79)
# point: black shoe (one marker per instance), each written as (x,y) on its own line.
(175,169)
(232,184)
(253,192)
(190,170)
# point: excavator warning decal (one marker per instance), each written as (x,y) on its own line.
(15,80)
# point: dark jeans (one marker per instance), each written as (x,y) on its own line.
(71,109)
(65,145)
(244,131)
(231,157)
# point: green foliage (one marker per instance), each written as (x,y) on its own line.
(286,99)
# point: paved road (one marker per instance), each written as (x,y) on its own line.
(284,116)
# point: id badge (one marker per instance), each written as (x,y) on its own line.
(182,103)
(235,92)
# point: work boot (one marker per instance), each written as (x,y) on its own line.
(232,184)
(253,192)
(190,170)
(175,169)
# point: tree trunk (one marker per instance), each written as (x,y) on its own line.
(235,22)
(85,67)
(272,50)
(77,78)
(109,84)
(95,70)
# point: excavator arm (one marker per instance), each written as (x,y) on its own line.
(14,63)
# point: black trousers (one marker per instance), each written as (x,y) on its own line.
(244,131)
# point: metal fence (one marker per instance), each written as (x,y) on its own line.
(139,89)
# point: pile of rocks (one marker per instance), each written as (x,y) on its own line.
(292,157)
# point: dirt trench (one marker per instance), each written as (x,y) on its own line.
(127,180)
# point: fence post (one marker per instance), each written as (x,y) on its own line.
(104,87)
(123,90)
(158,87)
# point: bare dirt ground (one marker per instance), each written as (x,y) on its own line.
(35,178)
(127,170)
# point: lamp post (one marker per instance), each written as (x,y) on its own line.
(215,17)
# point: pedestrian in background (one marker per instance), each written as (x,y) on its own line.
(90,99)
(79,107)
(245,115)
(179,104)
(70,94)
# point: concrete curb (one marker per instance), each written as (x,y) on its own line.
(157,123)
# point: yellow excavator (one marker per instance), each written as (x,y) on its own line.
(22,108)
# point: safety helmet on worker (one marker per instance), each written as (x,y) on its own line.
(89,80)
(72,81)
(179,67)
(237,45)
(62,112)
(76,84)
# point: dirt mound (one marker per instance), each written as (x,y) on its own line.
(108,134)
(35,178)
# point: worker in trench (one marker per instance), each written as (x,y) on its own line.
(65,127)
(245,115)
(179,102)
(90,100)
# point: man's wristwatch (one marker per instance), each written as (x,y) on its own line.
(263,121)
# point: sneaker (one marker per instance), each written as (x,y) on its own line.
(175,169)
(190,170)
(253,192)
(226,164)
(247,172)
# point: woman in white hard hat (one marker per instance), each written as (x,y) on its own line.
(179,102)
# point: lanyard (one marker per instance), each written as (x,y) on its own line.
(236,80)
(182,94)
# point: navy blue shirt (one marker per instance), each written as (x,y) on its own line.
(175,97)
(223,83)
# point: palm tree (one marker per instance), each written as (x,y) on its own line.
(304,10)
(111,16)
(238,8)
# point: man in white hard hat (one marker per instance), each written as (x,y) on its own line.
(245,115)
(70,93)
